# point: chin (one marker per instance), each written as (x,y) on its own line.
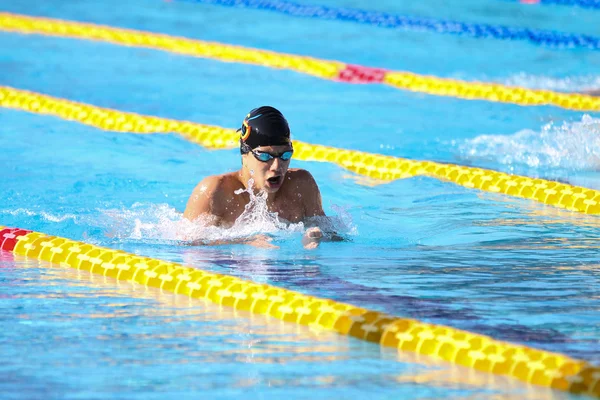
(270,189)
(271,185)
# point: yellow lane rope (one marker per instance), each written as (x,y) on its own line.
(189,47)
(211,137)
(471,350)
(320,68)
(491,92)
(375,166)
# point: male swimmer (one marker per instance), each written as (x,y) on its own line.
(266,150)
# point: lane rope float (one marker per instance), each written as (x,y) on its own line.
(467,349)
(593,4)
(331,70)
(371,165)
(540,37)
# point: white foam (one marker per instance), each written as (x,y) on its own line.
(164,223)
(45,216)
(573,145)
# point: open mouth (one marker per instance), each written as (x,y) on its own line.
(274,180)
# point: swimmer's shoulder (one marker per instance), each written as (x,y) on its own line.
(301,178)
(215,185)
(210,195)
(299,174)
(304,184)
(301,182)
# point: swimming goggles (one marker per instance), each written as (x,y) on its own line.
(266,157)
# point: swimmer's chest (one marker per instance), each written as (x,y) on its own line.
(288,209)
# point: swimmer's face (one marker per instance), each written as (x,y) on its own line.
(268,175)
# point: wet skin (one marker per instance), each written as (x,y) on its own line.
(292,193)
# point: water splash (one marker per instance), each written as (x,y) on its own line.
(163,223)
(41,214)
(573,146)
(141,221)
(339,223)
(256,215)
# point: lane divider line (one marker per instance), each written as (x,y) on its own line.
(331,70)
(190,47)
(376,166)
(476,351)
(382,19)
(593,4)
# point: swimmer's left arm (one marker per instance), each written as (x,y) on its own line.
(320,229)
(311,195)
(313,207)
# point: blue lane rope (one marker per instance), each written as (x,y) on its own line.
(540,37)
(577,3)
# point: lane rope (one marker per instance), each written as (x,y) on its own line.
(593,4)
(471,350)
(332,70)
(386,20)
(371,165)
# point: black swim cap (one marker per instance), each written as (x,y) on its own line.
(264,126)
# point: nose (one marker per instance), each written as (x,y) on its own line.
(276,164)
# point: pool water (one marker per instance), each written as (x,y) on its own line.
(422,248)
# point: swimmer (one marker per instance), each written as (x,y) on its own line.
(266,150)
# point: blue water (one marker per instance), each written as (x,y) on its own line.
(509,268)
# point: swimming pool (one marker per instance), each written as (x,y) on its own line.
(510,268)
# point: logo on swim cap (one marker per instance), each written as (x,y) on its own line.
(246,129)
(269,128)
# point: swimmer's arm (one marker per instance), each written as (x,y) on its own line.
(313,208)
(262,241)
(311,196)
